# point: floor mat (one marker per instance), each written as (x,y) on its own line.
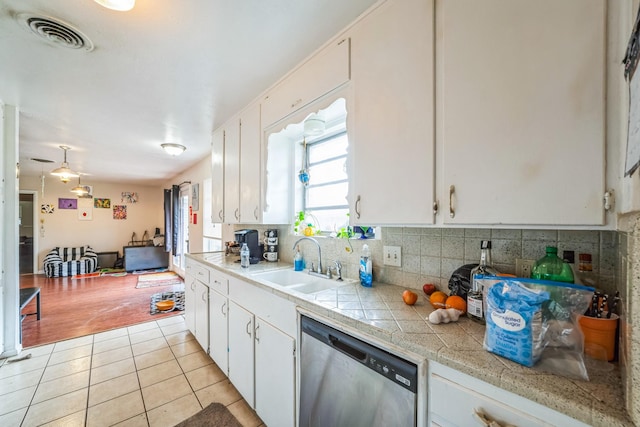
(177,296)
(166,278)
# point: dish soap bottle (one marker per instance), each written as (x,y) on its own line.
(475,298)
(298,261)
(244,256)
(366,277)
(551,267)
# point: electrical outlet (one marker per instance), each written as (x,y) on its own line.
(391,255)
(523,267)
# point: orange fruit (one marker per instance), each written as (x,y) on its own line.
(437,299)
(457,302)
(409,297)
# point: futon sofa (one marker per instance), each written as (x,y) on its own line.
(61,262)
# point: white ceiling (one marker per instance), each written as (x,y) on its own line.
(167,71)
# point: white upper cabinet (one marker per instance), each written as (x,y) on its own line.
(232,171)
(390,120)
(217,176)
(322,73)
(250,144)
(521,111)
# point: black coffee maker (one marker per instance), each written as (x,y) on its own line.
(250,237)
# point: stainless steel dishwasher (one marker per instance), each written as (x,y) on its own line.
(346,382)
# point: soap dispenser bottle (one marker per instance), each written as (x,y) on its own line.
(298,261)
(366,278)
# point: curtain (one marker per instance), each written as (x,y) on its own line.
(175,218)
(168,229)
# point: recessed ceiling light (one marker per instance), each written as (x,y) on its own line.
(119,5)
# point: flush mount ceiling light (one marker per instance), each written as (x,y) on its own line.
(79,189)
(173,149)
(119,5)
(314,125)
(64,172)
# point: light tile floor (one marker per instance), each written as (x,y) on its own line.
(152,374)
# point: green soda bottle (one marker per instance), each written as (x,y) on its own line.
(551,267)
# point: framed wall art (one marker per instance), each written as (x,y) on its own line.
(47,209)
(85,209)
(120,212)
(67,203)
(102,203)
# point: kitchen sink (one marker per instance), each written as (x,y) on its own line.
(298,281)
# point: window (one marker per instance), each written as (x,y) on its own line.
(325,196)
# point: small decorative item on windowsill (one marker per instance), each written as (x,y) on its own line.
(306,224)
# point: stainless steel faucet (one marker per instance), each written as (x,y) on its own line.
(319,270)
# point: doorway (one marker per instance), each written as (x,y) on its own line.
(179,260)
(27,220)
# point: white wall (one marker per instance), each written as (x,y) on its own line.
(103,233)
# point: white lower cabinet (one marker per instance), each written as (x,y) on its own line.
(457,399)
(202,314)
(241,370)
(218,330)
(196,302)
(274,375)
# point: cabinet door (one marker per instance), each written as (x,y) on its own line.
(218,330)
(250,170)
(190,302)
(201,304)
(275,370)
(232,171)
(391,133)
(322,73)
(241,348)
(217,176)
(522,111)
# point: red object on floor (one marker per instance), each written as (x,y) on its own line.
(73,308)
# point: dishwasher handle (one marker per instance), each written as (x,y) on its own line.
(346,348)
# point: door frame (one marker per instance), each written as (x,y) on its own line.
(36,228)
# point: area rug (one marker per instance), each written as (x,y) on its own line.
(177,296)
(214,415)
(165,278)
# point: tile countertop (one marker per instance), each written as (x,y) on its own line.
(380,312)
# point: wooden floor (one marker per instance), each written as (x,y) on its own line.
(73,308)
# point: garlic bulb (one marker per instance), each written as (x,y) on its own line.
(444,315)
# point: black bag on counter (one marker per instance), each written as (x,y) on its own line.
(460,281)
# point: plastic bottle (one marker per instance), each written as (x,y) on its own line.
(551,267)
(366,277)
(475,298)
(569,257)
(298,261)
(244,256)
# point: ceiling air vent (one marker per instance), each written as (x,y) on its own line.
(57,32)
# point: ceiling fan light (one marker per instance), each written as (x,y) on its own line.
(119,5)
(173,149)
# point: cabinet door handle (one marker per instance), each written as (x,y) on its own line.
(193,285)
(222,309)
(357,207)
(236,214)
(204,296)
(452,189)
(255,212)
(298,101)
(220,215)
(249,328)
(257,328)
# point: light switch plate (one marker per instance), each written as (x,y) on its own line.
(392,256)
